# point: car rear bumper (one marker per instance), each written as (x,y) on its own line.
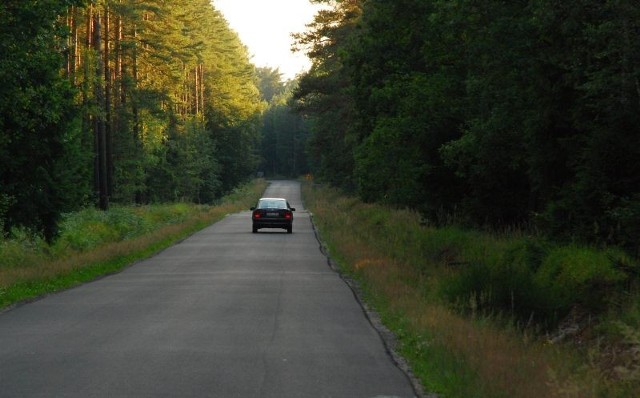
(264,223)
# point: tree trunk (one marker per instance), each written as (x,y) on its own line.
(99,124)
(87,123)
(196,91)
(202,89)
(107,103)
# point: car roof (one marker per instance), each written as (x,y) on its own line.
(273,199)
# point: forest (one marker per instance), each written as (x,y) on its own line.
(121,101)
(493,114)
(496,145)
(490,114)
(284,132)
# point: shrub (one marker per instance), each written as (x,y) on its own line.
(84,230)
(500,282)
(528,277)
(572,275)
(22,249)
(90,228)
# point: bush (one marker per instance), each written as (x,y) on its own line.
(22,249)
(84,230)
(529,277)
(572,275)
(91,228)
(498,282)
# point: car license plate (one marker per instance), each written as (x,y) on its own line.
(272,214)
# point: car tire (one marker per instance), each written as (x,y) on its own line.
(255,230)
(289,230)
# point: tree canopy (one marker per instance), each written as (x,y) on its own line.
(284,132)
(120,100)
(494,113)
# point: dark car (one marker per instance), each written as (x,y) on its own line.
(272,213)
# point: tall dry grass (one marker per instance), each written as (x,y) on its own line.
(459,353)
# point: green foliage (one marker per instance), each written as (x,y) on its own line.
(407,107)
(95,243)
(574,275)
(122,101)
(190,128)
(38,136)
(521,285)
(536,281)
(270,84)
(92,228)
(496,113)
(22,248)
(529,279)
(323,95)
(187,168)
(4,208)
(283,132)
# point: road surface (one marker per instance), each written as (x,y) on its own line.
(225,313)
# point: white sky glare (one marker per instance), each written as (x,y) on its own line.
(265,27)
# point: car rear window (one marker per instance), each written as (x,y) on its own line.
(272,204)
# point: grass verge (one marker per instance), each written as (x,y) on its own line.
(478,315)
(93,244)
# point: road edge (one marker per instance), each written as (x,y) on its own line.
(387,337)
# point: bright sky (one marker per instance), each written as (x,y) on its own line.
(265,27)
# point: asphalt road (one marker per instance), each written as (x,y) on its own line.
(225,313)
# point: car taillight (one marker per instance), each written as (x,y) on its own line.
(256,214)
(287,215)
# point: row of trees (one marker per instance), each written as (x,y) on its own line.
(120,100)
(498,113)
(284,132)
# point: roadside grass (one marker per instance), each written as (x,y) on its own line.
(479,315)
(94,243)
